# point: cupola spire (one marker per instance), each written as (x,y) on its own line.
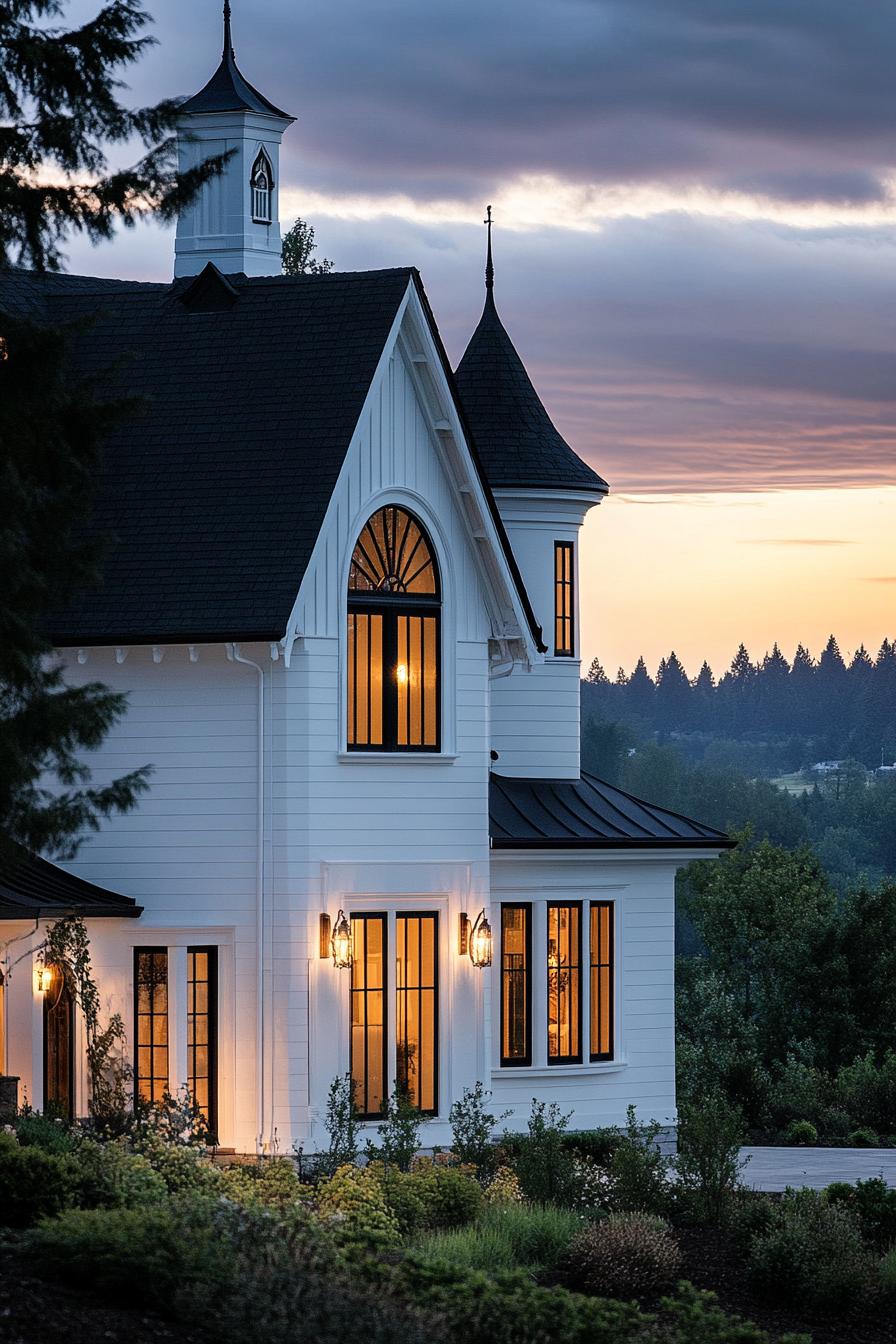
(489,264)
(228,39)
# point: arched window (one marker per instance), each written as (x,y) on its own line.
(262,183)
(394,653)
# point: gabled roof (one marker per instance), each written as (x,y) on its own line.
(228,91)
(210,498)
(517,440)
(30,887)
(586,813)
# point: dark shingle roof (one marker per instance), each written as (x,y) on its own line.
(228,91)
(586,813)
(518,443)
(32,887)
(214,493)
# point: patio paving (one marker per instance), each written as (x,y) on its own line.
(776,1168)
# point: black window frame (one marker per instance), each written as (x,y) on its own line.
(263,161)
(212,1013)
(391,607)
(138,953)
(511,1062)
(432,915)
(65,988)
(577,1057)
(610,965)
(565,587)
(364,1113)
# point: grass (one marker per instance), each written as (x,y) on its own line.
(794,784)
(533,1237)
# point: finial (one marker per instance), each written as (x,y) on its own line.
(228,40)
(489,266)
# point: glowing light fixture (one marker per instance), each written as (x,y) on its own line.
(341,943)
(476,941)
(44,977)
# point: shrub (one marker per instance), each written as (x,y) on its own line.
(353,1203)
(342,1123)
(695,1317)
(708,1161)
(543,1166)
(625,1255)
(181,1166)
(533,1237)
(886,1272)
(640,1172)
(504,1188)
(270,1184)
(812,1253)
(176,1119)
(801,1132)
(34,1130)
(867,1090)
(451,1196)
(593,1145)
(874,1203)
(472,1127)
(399,1133)
(108,1175)
(34,1184)
(863,1138)
(401,1191)
(591,1186)
(752,1215)
(799,1091)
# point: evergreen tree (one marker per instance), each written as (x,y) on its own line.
(673,695)
(596,674)
(298,252)
(773,699)
(639,692)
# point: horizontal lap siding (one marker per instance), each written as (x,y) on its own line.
(535,719)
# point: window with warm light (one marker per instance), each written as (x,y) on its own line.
(564,621)
(262,185)
(516,989)
(564,970)
(394,637)
(202,1032)
(151,1022)
(601,983)
(416,1009)
(368,1045)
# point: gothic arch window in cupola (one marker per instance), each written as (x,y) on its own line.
(394,637)
(262,184)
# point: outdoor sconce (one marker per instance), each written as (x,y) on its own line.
(341,943)
(324,937)
(43,979)
(476,941)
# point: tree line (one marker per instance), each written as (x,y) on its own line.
(846,708)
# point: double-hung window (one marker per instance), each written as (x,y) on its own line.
(564,599)
(516,984)
(394,637)
(564,982)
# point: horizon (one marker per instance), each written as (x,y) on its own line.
(717,342)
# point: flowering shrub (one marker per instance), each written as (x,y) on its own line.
(504,1188)
(352,1202)
(176,1118)
(591,1186)
(181,1167)
(625,1255)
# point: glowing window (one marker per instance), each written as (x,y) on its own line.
(516,993)
(564,982)
(564,623)
(601,986)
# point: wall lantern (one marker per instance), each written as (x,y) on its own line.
(476,941)
(43,978)
(341,943)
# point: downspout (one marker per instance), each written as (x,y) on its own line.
(235,656)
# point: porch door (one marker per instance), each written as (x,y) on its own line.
(59,1050)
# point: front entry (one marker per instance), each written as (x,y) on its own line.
(59,1048)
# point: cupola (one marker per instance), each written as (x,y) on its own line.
(234,221)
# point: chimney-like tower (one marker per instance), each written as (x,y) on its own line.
(234,221)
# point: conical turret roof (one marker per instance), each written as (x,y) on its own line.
(227,90)
(516,439)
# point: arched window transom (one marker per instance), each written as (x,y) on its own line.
(262,185)
(394,637)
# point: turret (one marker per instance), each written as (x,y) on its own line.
(234,221)
(543,491)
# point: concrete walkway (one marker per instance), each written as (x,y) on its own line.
(776,1168)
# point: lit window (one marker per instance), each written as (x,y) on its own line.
(262,185)
(516,997)
(368,1013)
(393,694)
(151,1022)
(564,627)
(564,962)
(202,1032)
(59,1046)
(601,986)
(416,991)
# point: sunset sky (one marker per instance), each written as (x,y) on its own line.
(695,245)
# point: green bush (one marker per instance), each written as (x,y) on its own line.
(708,1162)
(399,1132)
(799,1091)
(886,1272)
(182,1167)
(35,1130)
(504,1188)
(352,1202)
(543,1166)
(752,1215)
(451,1195)
(342,1123)
(472,1127)
(594,1145)
(867,1090)
(801,1132)
(534,1237)
(874,1203)
(107,1175)
(639,1171)
(34,1184)
(863,1138)
(404,1200)
(625,1255)
(695,1317)
(812,1253)
(270,1184)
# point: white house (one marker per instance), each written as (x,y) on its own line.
(341,591)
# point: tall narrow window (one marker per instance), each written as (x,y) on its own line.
(368,1013)
(516,992)
(151,1022)
(564,982)
(2,1023)
(393,690)
(202,1032)
(417,1007)
(262,186)
(601,979)
(564,624)
(59,1046)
